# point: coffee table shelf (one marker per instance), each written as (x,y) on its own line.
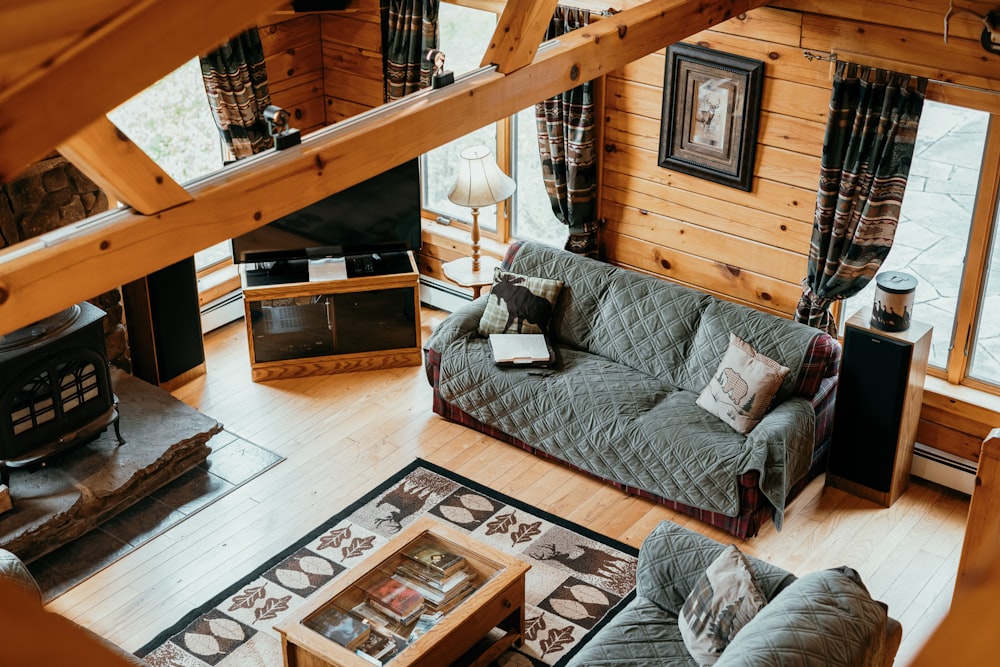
(496,601)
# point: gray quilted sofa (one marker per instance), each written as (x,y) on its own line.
(634,353)
(826,618)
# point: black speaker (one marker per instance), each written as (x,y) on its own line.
(163,318)
(869,408)
(877,410)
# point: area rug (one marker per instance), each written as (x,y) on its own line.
(577,582)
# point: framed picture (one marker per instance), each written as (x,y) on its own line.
(711,111)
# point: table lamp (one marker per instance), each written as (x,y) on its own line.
(480,183)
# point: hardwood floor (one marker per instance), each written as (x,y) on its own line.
(342,434)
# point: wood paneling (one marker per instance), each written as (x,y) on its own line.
(750,247)
(654,215)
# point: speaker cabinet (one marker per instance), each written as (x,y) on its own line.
(163,318)
(879,395)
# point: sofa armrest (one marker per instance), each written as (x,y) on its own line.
(461,323)
(672,558)
(826,617)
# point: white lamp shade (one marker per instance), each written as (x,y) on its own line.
(480,181)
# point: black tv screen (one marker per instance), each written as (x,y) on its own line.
(379,215)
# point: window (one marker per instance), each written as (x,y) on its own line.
(172,122)
(946,238)
(464,35)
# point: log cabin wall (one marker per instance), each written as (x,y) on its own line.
(749,247)
(323,67)
(752,247)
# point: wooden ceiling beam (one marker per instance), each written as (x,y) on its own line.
(520,30)
(56,270)
(123,170)
(107,66)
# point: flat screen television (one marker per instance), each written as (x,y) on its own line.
(379,215)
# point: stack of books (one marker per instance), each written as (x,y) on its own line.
(344,627)
(443,578)
(380,647)
(397,600)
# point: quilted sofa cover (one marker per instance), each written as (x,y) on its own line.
(634,353)
(826,618)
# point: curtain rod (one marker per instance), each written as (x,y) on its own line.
(833,58)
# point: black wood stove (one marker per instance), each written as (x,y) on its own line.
(55,388)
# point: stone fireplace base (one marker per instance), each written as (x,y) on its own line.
(164,438)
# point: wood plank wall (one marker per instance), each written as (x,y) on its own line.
(323,67)
(752,247)
(747,247)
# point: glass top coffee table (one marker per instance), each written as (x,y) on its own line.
(426,597)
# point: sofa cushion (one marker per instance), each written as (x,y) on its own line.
(16,573)
(724,599)
(519,304)
(824,618)
(741,390)
(640,635)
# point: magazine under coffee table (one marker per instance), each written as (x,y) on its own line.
(362,618)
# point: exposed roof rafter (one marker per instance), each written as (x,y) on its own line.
(122,169)
(107,64)
(55,270)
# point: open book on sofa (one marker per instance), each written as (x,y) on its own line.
(521,350)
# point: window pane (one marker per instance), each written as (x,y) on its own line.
(935,219)
(440,169)
(465,34)
(172,123)
(985,363)
(533,217)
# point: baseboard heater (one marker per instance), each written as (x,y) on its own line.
(223,310)
(943,468)
(439,294)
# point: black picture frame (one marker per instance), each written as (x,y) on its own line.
(698,139)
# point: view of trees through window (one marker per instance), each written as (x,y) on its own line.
(172,122)
(933,236)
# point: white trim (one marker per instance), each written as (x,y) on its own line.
(943,468)
(439,294)
(225,309)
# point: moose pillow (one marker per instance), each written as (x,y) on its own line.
(741,391)
(519,304)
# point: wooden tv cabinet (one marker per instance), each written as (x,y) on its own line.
(316,327)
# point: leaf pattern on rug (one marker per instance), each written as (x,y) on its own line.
(202,644)
(570,605)
(334,538)
(248,598)
(526,532)
(556,640)
(533,626)
(272,607)
(358,547)
(501,524)
(227,628)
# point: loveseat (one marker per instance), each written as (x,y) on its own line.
(633,354)
(825,618)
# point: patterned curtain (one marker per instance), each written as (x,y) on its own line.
(409,29)
(870,134)
(236,83)
(566,146)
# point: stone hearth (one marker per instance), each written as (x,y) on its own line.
(164,438)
